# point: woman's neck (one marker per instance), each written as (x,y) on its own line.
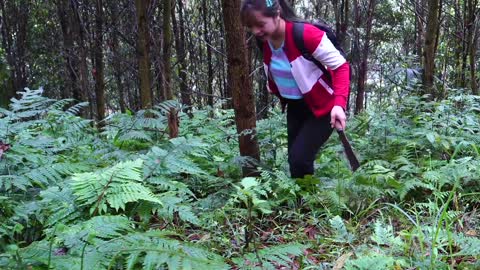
(279,36)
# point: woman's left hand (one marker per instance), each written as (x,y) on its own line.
(338,119)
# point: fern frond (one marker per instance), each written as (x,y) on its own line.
(275,257)
(60,104)
(135,135)
(31,104)
(333,201)
(172,203)
(60,205)
(411,184)
(165,106)
(114,187)
(373,262)
(383,235)
(469,246)
(155,250)
(7,182)
(44,175)
(174,161)
(341,234)
(77,108)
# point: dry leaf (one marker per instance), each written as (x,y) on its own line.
(342,260)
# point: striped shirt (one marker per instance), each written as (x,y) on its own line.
(282,74)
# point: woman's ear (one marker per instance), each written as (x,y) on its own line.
(277,14)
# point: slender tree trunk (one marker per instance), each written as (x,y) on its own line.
(419,33)
(116,56)
(99,65)
(72,88)
(167,49)
(179,33)
(362,72)
(80,34)
(465,44)
(240,83)
(13,26)
(143,53)
(206,37)
(226,90)
(430,48)
(473,9)
(356,49)
(345,21)
(458,46)
(341,11)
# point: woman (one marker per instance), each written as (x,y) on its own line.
(314,106)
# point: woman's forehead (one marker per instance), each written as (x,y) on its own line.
(253,17)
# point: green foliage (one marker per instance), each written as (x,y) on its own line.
(113,187)
(104,242)
(271,257)
(127,197)
(341,234)
(378,262)
(383,236)
(154,250)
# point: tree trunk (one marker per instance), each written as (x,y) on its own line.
(430,48)
(419,27)
(345,21)
(143,53)
(206,37)
(116,56)
(99,65)
(179,33)
(472,6)
(72,88)
(341,12)
(13,26)
(167,49)
(362,71)
(80,33)
(226,90)
(356,51)
(240,83)
(465,45)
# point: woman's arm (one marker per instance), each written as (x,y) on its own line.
(322,49)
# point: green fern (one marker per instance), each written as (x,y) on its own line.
(113,187)
(154,250)
(271,258)
(87,243)
(59,205)
(9,182)
(383,235)
(173,161)
(374,262)
(173,203)
(31,103)
(469,246)
(341,234)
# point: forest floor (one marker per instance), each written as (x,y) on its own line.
(129,197)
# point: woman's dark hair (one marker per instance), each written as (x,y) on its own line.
(268,8)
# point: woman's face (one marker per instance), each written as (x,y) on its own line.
(261,26)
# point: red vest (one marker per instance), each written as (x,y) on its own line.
(318,94)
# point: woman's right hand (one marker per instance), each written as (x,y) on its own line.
(338,119)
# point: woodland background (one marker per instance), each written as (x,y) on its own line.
(133,54)
(129,146)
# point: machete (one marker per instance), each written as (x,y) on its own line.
(354,164)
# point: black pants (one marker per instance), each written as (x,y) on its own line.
(306,134)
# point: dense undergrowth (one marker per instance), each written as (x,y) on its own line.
(128,197)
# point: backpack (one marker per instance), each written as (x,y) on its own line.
(298,28)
